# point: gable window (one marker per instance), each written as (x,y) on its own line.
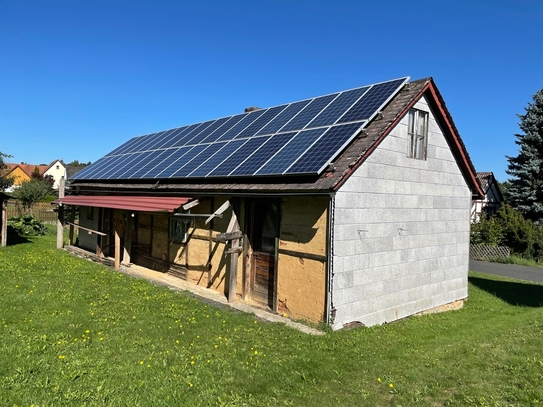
(417,132)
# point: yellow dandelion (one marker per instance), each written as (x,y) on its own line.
(391,385)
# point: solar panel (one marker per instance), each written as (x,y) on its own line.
(287,155)
(318,156)
(300,138)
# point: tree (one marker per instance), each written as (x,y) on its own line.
(30,192)
(504,188)
(519,234)
(526,190)
(487,230)
(5,181)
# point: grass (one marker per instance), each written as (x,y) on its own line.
(74,333)
(519,260)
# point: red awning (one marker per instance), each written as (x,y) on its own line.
(131,203)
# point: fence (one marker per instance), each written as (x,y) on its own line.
(42,211)
(487,253)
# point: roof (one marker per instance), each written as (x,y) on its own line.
(342,167)
(486,179)
(28,169)
(132,203)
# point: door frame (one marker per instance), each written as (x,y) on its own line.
(248,249)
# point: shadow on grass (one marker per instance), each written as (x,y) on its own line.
(521,294)
(14,239)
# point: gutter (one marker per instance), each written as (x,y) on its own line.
(329,312)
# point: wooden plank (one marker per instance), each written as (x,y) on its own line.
(223,237)
(87,229)
(309,256)
(191,204)
(234,243)
(219,211)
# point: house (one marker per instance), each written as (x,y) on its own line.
(23,172)
(349,208)
(491,201)
(58,170)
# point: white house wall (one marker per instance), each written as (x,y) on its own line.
(57,171)
(400,232)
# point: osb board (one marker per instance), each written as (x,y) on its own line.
(301,286)
(301,283)
(303,224)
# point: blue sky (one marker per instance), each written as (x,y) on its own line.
(79,78)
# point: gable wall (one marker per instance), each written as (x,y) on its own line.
(401,232)
(19,176)
(490,203)
(57,174)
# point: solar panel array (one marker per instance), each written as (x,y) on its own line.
(298,138)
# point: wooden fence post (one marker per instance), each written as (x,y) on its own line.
(4,221)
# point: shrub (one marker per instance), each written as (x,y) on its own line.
(27,225)
(487,231)
(520,234)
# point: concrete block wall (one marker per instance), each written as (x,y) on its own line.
(401,232)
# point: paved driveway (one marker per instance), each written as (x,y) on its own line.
(508,270)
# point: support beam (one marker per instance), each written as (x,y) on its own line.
(4,231)
(60,218)
(219,211)
(233,277)
(117,247)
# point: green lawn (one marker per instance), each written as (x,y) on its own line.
(74,333)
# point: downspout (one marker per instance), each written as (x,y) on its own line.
(330,312)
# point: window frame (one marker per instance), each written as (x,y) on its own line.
(417,133)
(178,228)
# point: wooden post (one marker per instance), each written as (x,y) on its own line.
(60,221)
(128,239)
(117,247)
(4,230)
(232,281)
(72,219)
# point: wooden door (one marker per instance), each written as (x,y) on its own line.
(264,231)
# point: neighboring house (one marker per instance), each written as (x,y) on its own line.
(350,208)
(23,172)
(57,170)
(491,200)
